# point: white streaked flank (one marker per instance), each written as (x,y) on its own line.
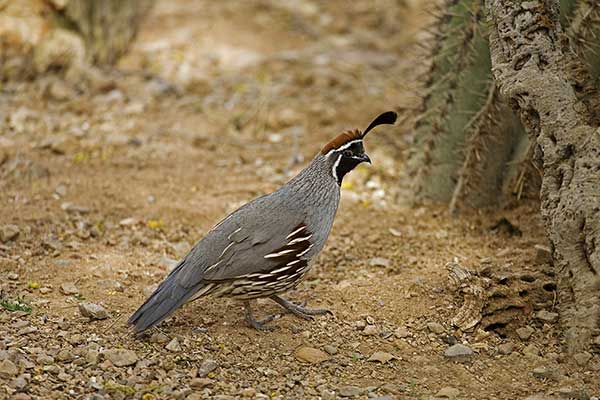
(302,239)
(296,231)
(281,253)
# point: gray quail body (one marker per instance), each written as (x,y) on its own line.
(264,248)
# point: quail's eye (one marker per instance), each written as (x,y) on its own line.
(347,153)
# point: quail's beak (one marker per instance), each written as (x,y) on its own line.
(364,158)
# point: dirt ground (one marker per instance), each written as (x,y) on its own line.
(104,187)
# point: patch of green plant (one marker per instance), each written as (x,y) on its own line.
(16,304)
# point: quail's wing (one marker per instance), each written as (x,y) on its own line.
(272,250)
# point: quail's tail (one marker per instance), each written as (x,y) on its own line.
(169,296)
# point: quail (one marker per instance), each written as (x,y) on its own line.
(265,247)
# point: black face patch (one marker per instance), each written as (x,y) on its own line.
(347,159)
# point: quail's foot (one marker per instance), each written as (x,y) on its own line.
(299,310)
(259,325)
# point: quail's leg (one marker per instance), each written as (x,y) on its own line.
(259,325)
(299,311)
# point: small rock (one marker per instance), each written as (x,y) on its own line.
(45,359)
(159,337)
(74,208)
(311,355)
(582,358)
(381,356)
(199,383)
(173,345)
(148,290)
(380,262)
(547,316)
(92,310)
(21,396)
(121,357)
(18,383)
(448,392)
(58,90)
(332,350)
(62,376)
(531,350)
(525,332)
(459,353)
(45,290)
(543,255)
(546,373)
(349,391)
(8,232)
(65,355)
(61,190)
(249,392)
(370,330)
(571,393)
(109,284)
(435,327)
(506,348)
(8,369)
(207,367)
(402,332)
(69,289)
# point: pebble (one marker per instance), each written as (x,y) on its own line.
(173,345)
(546,373)
(381,356)
(109,284)
(332,350)
(68,289)
(370,330)
(8,232)
(159,337)
(249,392)
(380,262)
(448,392)
(506,348)
(311,355)
(45,359)
(8,369)
(531,350)
(21,396)
(92,310)
(18,383)
(402,332)
(199,383)
(65,355)
(525,332)
(207,367)
(459,353)
(582,358)
(543,255)
(121,357)
(435,327)
(547,316)
(570,393)
(349,391)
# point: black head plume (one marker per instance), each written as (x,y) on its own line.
(387,118)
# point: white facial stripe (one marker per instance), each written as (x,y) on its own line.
(344,147)
(334,168)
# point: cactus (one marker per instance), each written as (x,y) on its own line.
(466,136)
(470,148)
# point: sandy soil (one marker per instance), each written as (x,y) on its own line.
(217,103)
